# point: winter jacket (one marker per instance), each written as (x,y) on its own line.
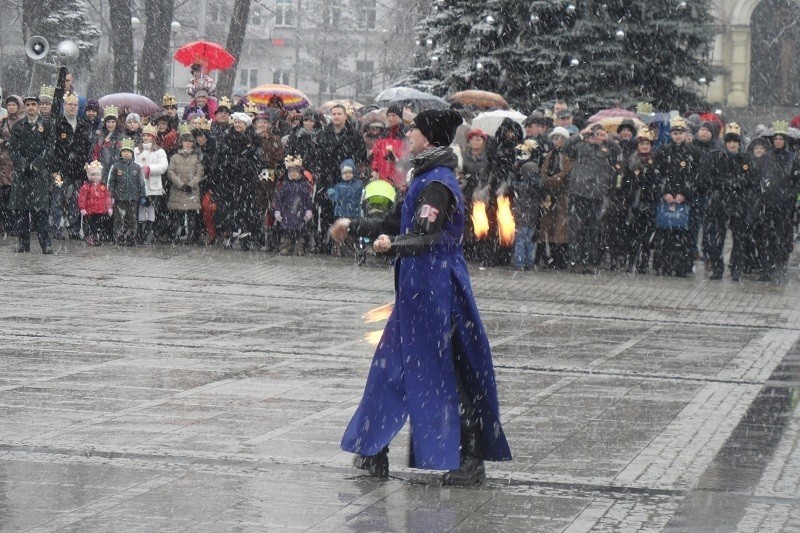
(236,179)
(502,151)
(384,163)
(303,143)
(593,169)
(780,178)
(154,165)
(126,182)
(168,141)
(679,166)
(6,166)
(525,190)
(346,198)
(729,182)
(31,148)
(644,182)
(333,148)
(72,149)
(554,223)
(292,201)
(185,168)
(106,150)
(94,198)
(476,176)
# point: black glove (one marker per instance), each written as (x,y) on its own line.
(186,189)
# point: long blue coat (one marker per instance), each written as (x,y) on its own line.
(434,326)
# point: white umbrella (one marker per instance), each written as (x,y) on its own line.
(420,99)
(491,120)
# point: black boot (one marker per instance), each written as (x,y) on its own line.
(376,465)
(471,470)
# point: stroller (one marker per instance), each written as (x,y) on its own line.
(378,201)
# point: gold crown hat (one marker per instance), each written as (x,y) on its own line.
(224,102)
(71,98)
(110,111)
(47,92)
(527,146)
(644,108)
(168,100)
(733,129)
(644,133)
(678,124)
(780,127)
(185,129)
(201,123)
(251,108)
(94,168)
(127,144)
(150,129)
(292,161)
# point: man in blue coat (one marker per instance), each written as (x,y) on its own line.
(433,363)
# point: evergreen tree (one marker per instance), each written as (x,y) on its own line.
(598,53)
(67,19)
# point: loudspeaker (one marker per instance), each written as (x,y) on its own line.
(67,51)
(37,48)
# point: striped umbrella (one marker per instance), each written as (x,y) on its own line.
(292,98)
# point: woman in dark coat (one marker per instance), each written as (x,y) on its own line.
(476,177)
(236,186)
(433,363)
(643,195)
(678,163)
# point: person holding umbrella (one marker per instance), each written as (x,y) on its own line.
(200,82)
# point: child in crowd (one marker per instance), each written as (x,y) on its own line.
(127,188)
(185,173)
(293,207)
(346,198)
(154,163)
(94,201)
(525,187)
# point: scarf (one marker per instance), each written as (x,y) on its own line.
(431,157)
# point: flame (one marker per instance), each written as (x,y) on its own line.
(479,219)
(373,337)
(505,221)
(378,314)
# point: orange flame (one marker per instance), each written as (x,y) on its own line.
(480,222)
(378,314)
(505,221)
(373,337)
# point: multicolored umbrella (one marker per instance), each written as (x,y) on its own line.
(292,98)
(479,99)
(132,103)
(210,56)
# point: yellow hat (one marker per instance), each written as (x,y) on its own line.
(150,129)
(644,108)
(678,124)
(110,111)
(780,127)
(168,100)
(71,98)
(251,108)
(292,161)
(94,168)
(47,93)
(201,123)
(644,133)
(127,144)
(224,102)
(185,129)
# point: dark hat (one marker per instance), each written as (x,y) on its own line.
(31,99)
(564,113)
(396,109)
(627,124)
(439,127)
(309,114)
(537,117)
(93,104)
(195,66)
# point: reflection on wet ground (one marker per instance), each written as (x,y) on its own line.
(183,389)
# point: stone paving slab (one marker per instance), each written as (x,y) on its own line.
(185,389)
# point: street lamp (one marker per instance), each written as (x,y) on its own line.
(175,27)
(135,24)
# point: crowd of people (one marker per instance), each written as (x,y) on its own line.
(225,171)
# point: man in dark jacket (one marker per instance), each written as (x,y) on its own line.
(594,157)
(337,141)
(729,183)
(775,206)
(30,148)
(73,138)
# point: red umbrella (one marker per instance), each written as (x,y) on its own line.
(210,56)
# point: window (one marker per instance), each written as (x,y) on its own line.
(366,14)
(281,76)
(248,77)
(331,13)
(255,17)
(283,13)
(330,73)
(364,72)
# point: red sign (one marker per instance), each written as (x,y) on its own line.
(278,42)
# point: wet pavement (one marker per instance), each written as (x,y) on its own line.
(192,389)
